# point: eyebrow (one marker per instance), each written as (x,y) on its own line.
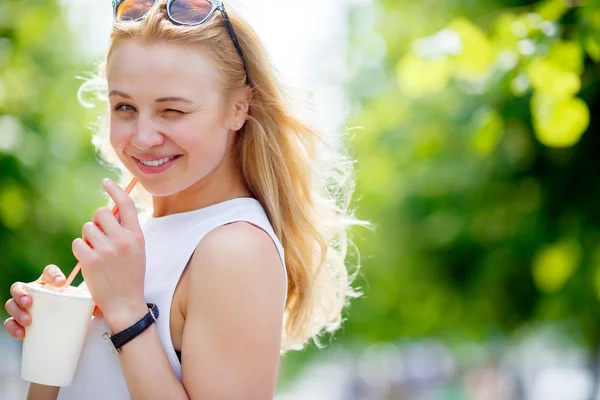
(161,100)
(173,99)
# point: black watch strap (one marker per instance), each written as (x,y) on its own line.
(122,338)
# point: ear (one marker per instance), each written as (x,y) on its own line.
(240,104)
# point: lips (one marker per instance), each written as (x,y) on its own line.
(155,169)
(156,157)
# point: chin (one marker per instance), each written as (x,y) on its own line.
(157,189)
(165,187)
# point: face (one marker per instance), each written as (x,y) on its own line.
(169,123)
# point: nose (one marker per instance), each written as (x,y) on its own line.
(145,135)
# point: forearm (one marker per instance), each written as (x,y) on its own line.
(145,365)
(42,392)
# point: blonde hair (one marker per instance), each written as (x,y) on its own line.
(303,184)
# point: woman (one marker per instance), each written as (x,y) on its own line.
(244,244)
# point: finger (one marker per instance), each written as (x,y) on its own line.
(14,329)
(15,311)
(129,217)
(106,222)
(92,234)
(17,292)
(53,275)
(82,251)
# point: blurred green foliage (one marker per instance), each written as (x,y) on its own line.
(477,161)
(50,181)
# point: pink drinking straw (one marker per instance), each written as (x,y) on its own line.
(115,210)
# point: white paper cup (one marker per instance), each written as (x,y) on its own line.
(53,341)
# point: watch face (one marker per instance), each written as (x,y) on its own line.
(108,340)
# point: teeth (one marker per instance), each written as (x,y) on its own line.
(155,163)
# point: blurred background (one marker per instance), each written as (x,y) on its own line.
(473,127)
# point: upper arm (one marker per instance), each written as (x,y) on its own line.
(232,334)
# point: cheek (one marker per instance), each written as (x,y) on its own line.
(205,147)
(119,136)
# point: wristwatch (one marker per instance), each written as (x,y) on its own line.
(115,342)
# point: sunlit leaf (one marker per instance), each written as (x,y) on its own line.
(592,13)
(554,264)
(552,10)
(566,56)
(477,53)
(549,79)
(503,33)
(32,25)
(419,77)
(488,125)
(559,122)
(592,47)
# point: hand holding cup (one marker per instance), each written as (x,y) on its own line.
(20,303)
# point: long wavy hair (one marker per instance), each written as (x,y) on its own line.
(303,183)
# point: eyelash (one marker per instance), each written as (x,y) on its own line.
(119,107)
(174,111)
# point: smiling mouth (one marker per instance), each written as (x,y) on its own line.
(156,163)
(155,166)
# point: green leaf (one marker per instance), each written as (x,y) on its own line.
(559,122)
(489,126)
(592,47)
(568,56)
(13,206)
(554,264)
(503,33)
(477,54)
(553,10)
(418,77)
(551,80)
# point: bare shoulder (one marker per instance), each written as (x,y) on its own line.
(236,255)
(239,241)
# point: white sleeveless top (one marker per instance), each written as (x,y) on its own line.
(170,242)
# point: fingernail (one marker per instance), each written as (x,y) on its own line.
(23,300)
(59,278)
(24,318)
(106,181)
(19,332)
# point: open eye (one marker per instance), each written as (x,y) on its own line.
(124,107)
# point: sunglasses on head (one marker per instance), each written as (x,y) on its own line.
(180,12)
